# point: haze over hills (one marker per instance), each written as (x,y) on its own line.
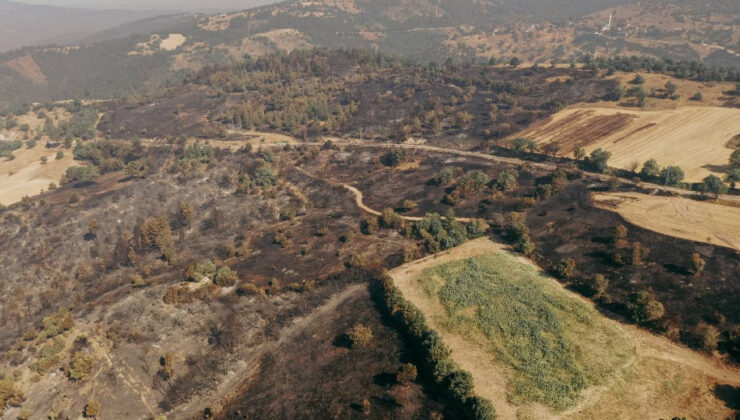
(24,24)
(137,56)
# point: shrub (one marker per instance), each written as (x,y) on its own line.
(566,269)
(525,145)
(671,175)
(225,277)
(507,180)
(60,155)
(360,336)
(697,264)
(369,225)
(394,157)
(155,234)
(80,366)
(92,408)
(597,161)
(593,286)
(704,337)
(80,174)
(10,395)
(650,170)
(249,289)
(407,373)
(643,307)
(409,205)
(390,219)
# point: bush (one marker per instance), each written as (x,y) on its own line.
(80,366)
(225,277)
(360,336)
(80,174)
(407,373)
(566,269)
(92,408)
(593,286)
(671,175)
(394,157)
(697,264)
(642,307)
(10,395)
(597,161)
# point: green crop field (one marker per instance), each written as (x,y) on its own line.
(554,345)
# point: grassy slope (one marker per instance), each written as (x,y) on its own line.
(555,345)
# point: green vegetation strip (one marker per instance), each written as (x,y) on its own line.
(555,345)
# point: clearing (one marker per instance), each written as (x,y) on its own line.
(622,370)
(676,216)
(694,138)
(26,175)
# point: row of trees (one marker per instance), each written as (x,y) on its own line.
(452,384)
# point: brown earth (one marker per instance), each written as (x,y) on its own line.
(27,67)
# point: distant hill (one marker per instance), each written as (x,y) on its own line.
(24,24)
(140,55)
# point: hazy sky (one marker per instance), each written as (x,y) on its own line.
(154,4)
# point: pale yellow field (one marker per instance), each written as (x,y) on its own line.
(27,176)
(660,380)
(694,138)
(676,216)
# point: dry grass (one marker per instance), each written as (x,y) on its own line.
(662,380)
(27,176)
(694,138)
(676,216)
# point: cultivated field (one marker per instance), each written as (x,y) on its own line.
(694,138)
(537,351)
(676,216)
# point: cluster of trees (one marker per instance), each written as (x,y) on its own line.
(107,156)
(440,233)
(682,69)
(81,125)
(454,385)
(220,275)
(8,147)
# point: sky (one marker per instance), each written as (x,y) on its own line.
(174,5)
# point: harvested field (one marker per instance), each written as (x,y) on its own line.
(676,216)
(652,377)
(27,176)
(694,138)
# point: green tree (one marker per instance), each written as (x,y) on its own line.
(360,336)
(733,177)
(643,307)
(712,184)
(597,161)
(735,159)
(515,62)
(650,170)
(580,153)
(671,175)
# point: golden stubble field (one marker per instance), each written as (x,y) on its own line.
(659,380)
(680,217)
(696,138)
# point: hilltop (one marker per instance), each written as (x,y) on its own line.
(136,57)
